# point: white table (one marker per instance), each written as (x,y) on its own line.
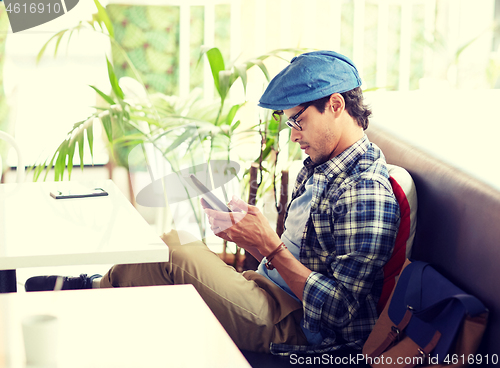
(37,230)
(158,326)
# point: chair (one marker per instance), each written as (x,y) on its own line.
(20,164)
(8,277)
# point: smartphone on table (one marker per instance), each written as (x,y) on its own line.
(80,192)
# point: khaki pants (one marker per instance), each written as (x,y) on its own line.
(252,309)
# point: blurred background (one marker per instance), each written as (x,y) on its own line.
(430,70)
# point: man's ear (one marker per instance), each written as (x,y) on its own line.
(336,103)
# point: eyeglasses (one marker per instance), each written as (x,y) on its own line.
(292,121)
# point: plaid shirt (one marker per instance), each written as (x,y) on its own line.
(349,237)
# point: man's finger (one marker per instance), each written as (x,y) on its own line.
(238,203)
(218,215)
(204,203)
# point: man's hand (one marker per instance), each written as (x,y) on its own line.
(249,229)
(216,229)
(246,226)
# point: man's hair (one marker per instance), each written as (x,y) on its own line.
(354,105)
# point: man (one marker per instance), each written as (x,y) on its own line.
(317,286)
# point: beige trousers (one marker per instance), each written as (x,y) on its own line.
(252,309)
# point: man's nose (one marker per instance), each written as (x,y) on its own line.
(295,135)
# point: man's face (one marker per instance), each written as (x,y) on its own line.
(320,134)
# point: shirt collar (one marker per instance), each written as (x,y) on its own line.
(341,162)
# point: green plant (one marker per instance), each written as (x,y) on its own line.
(170,123)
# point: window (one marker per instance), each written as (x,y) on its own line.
(47,98)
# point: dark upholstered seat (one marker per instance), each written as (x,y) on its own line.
(458,225)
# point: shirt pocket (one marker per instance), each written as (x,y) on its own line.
(322,224)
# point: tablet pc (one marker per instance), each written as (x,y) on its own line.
(214,202)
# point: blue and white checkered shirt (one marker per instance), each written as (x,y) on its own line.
(348,238)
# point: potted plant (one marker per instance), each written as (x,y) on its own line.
(169,123)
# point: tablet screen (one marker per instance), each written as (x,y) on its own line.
(214,202)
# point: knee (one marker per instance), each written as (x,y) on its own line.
(175,238)
(187,252)
(194,257)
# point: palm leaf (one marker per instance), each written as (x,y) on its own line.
(103,17)
(61,161)
(241,71)
(80,149)
(70,153)
(39,169)
(216,62)
(232,114)
(236,125)
(106,97)
(108,127)
(44,47)
(181,139)
(57,43)
(90,139)
(114,81)
(261,65)
(225,82)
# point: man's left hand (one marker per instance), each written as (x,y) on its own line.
(246,226)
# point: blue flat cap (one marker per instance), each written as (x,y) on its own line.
(308,77)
